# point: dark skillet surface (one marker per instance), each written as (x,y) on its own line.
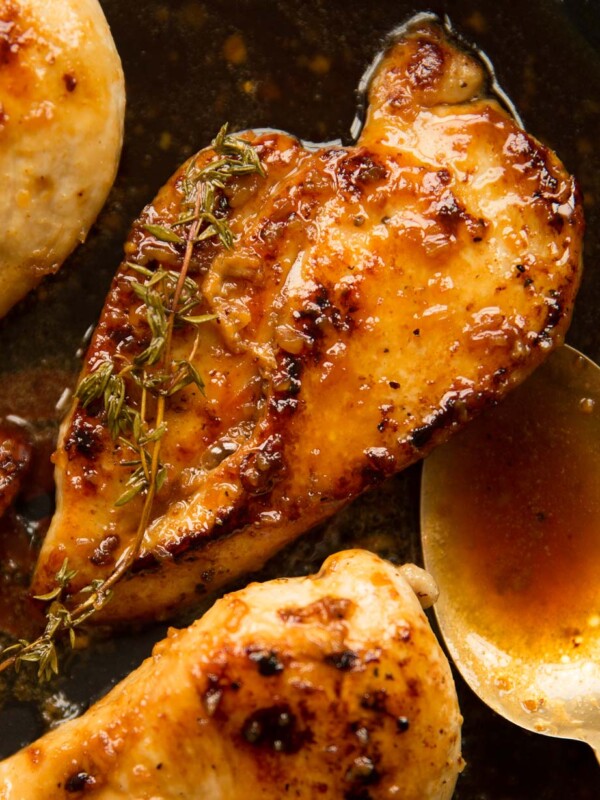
(180,89)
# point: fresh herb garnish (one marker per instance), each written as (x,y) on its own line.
(170,300)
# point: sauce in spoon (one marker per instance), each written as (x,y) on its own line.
(511,533)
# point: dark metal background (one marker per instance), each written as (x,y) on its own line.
(180,90)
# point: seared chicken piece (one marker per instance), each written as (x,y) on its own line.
(377,297)
(327,686)
(15,456)
(62,102)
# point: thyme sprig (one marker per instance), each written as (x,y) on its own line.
(170,300)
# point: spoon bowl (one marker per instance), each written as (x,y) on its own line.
(510,527)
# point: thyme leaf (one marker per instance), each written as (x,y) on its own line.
(93,385)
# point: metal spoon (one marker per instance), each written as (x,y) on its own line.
(510,526)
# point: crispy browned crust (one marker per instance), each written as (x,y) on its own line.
(378,297)
(329,686)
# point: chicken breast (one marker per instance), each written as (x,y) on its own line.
(15,457)
(327,686)
(62,101)
(376,298)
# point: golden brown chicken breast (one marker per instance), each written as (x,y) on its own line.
(328,686)
(62,100)
(370,300)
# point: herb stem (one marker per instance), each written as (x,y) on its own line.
(189,249)
(143,404)
(132,551)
